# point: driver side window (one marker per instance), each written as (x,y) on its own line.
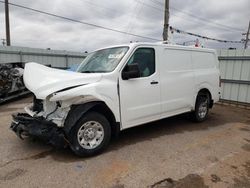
(145,58)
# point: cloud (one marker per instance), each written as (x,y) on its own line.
(136,16)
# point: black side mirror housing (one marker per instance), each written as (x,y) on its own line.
(131,71)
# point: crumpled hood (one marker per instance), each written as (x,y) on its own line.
(43,81)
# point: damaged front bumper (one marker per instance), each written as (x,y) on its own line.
(25,125)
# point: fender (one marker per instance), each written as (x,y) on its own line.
(205,85)
(95,91)
(78,110)
(75,113)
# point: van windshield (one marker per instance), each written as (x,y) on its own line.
(104,60)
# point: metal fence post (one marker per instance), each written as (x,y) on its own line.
(67,60)
(21,56)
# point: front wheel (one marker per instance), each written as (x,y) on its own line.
(90,135)
(201,108)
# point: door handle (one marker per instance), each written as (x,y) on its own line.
(154,82)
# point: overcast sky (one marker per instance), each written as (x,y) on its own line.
(222,19)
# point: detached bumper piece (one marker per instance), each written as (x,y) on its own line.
(38,127)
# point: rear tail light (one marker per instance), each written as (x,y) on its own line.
(219,81)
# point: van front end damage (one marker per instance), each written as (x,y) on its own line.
(43,120)
(46,119)
(55,91)
(25,125)
(72,109)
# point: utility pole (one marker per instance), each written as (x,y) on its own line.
(166,21)
(7,22)
(247,36)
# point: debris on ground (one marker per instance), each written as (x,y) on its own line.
(215,178)
(190,181)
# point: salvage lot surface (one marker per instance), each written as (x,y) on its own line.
(156,154)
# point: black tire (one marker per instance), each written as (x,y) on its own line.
(73,137)
(201,101)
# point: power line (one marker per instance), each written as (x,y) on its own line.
(172,29)
(107,8)
(100,6)
(82,22)
(196,19)
(132,14)
(136,12)
(149,5)
(199,18)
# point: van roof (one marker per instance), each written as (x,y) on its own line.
(175,46)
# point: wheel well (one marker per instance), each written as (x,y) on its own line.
(206,92)
(77,111)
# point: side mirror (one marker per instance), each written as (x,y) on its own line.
(131,71)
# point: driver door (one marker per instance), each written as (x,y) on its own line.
(140,97)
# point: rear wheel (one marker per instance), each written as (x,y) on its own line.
(201,108)
(90,135)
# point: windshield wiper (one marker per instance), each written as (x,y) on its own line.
(87,71)
(93,71)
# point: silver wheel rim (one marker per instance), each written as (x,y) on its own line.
(202,111)
(90,135)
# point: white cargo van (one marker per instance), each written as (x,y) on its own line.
(116,88)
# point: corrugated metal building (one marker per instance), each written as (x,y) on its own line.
(55,58)
(235,75)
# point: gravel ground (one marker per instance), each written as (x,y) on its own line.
(173,152)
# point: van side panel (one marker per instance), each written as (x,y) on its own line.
(206,73)
(177,81)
